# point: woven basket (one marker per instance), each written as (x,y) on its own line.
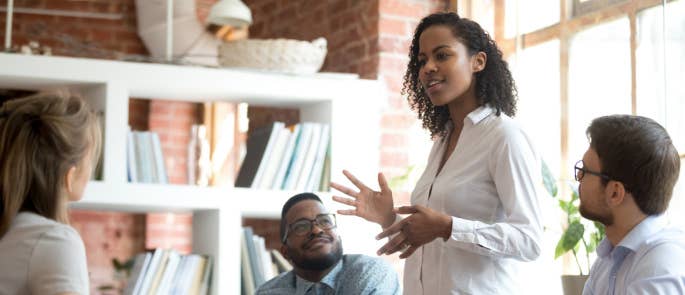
(283,55)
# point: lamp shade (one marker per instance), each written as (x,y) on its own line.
(230,12)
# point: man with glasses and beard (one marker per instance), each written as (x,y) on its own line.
(626,180)
(312,245)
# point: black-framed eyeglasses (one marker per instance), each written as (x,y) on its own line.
(581,170)
(304,226)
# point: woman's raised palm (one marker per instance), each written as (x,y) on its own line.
(371,205)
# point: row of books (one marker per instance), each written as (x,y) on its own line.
(283,157)
(258,265)
(145,161)
(166,271)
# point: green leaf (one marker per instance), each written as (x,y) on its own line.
(397,182)
(600,229)
(548,180)
(574,193)
(569,239)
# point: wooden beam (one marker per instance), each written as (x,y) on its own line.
(633,62)
(576,24)
(452,5)
(500,22)
(563,87)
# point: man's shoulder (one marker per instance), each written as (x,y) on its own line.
(360,262)
(664,252)
(277,285)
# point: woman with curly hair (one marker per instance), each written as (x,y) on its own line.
(475,215)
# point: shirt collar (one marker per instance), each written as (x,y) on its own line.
(477,115)
(642,231)
(302,285)
(636,236)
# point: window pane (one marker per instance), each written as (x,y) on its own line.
(536,71)
(668,106)
(483,12)
(599,79)
(660,94)
(525,16)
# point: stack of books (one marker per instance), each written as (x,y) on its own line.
(258,265)
(280,157)
(165,271)
(145,161)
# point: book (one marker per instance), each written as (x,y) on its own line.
(317,169)
(158,274)
(287,157)
(158,157)
(206,276)
(255,264)
(298,158)
(276,129)
(151,270)
(274,160)
(280,261)
(169,272)
(256,147)
(140,264)
(131,157)
(325,184)
(247,285)
(310,156)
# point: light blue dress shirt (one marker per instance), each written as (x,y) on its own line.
(649,260)
(354,274)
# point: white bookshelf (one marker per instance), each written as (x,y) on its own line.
(350,105)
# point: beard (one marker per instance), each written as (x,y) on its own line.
(321,262)
(607,219)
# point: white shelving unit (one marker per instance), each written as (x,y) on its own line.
(350,105)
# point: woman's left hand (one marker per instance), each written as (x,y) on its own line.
(422,226)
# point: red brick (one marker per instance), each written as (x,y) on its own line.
(394,140)
(409,9)
(396,121)
(393,26)
(394,159)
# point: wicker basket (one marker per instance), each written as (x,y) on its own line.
(284,55)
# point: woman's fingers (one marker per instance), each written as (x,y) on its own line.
(345,190)
(355,181)
(346,201)
(408,252)
(348,212)
(393,229)
(383,183)
(395,244)
(406,209)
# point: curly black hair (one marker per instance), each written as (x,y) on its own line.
(494,84)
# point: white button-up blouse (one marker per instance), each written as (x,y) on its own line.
(488,185)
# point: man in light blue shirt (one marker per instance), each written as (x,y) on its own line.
(626,180)
(312,245)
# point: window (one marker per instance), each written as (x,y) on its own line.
(598,80)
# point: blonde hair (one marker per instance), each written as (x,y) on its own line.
(41,137)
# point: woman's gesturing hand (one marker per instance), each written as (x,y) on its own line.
(368,204)
(422,226)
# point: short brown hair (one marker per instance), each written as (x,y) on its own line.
(41,138)
(638,152)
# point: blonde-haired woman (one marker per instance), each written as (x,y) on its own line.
(48,146)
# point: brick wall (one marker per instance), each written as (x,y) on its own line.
(80,37)
(350,27)
(107,236)
(397,21)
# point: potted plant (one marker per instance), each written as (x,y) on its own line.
(577,233)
